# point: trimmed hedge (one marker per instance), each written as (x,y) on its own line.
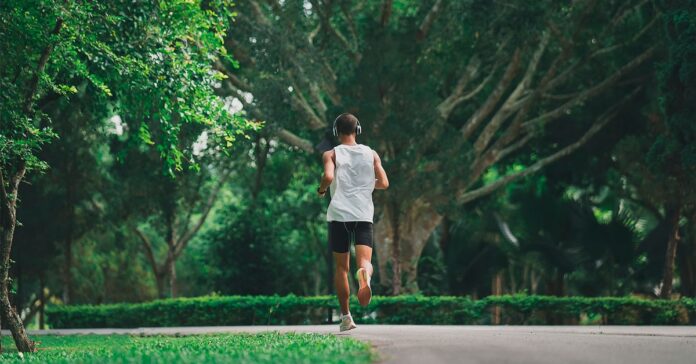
(295,310)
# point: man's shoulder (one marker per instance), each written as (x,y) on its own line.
(369,149)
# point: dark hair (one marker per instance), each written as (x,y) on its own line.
(346,124)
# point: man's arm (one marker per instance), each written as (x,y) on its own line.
(328,176)
(382,182)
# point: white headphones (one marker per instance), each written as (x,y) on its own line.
(358,128)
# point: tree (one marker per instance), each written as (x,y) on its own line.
(673,154)
(50,48)
(268,240)
(173,209)
(446,90)
(22,132)
(660,163)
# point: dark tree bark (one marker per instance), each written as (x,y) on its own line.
(42,301)
(171,271)
(673,214)
(8,221)
(496,290)
(69,221)
(396,250)
(687,258)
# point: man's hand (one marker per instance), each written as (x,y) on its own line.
(320,193)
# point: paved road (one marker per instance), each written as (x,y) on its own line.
(488,344)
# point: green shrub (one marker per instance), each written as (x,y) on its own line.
(294,310)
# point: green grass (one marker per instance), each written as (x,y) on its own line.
(271,347)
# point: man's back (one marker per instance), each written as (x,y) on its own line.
(352,186)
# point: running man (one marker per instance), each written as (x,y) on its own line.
(352,171)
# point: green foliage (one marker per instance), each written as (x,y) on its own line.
(271,243)
(152,63)
(271,347)
(436,310)
(673,151)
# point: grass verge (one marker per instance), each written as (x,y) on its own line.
(270,347)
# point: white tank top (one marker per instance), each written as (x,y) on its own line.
(353,183)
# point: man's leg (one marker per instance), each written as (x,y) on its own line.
(342,261)
(363,257)
(363,245)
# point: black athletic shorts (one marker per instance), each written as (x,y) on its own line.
(341,234)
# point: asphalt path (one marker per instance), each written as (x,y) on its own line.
(484,344)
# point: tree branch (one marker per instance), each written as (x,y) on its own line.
(485,190)
(314,121)
(623,13)
(506,110)
(33,86)
(351,24)
(591,92)
(258,12)
(185,238)
(470,72)
(428,21)
(290,138)
(283,135)
(490,103)
(512,148)
(236,81)
(149,253)
(9,202)
(325,17)
(16,179)
(386,12)
(565,75)
(193,202)
(3,191)
(603,120)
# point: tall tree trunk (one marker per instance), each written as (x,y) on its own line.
(8,221)
(42,301)
(383,246)
(171,272)
(555,283)
(496,290)
(396,250)
(69,221)
(160,281)
(169,210)
(687,257)
(16,301)
(13,322)
(673,214)
(560,284)
(415,225)
(67,267)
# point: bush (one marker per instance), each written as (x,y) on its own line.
(294,310)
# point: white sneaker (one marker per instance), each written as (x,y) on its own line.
(346,322)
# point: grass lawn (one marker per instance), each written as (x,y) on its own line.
(268,347)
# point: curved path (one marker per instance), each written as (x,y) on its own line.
(486,344)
